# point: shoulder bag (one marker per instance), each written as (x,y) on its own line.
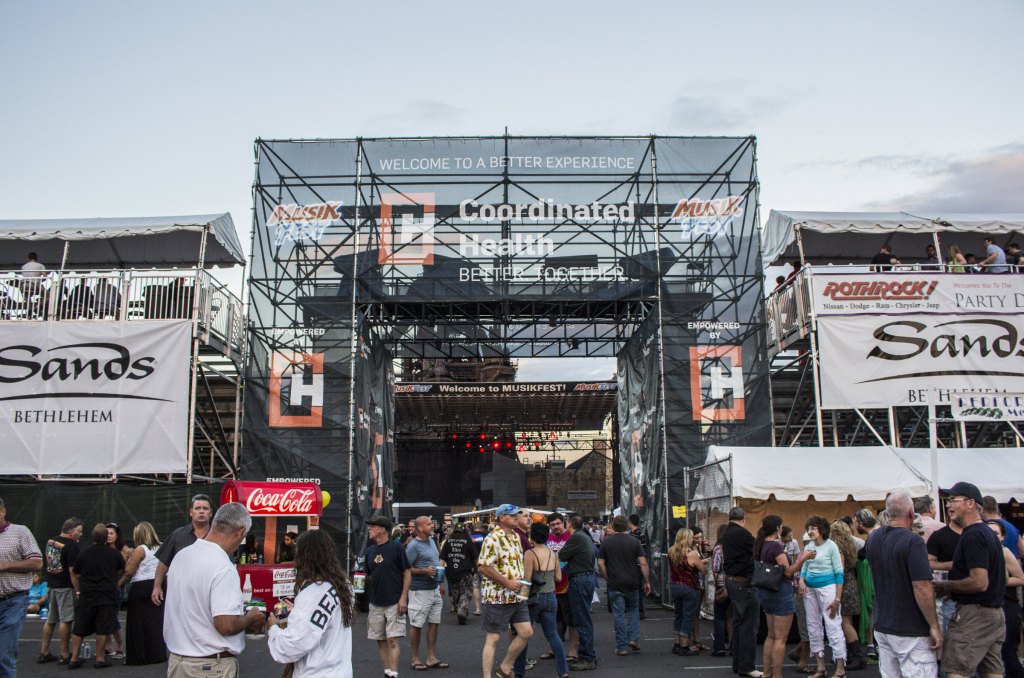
(768,576)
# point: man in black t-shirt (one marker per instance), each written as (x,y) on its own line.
(941,547)
(977,582)
(459,555)
(390,577)
(634,529)
(94,575)
(905,624)
(60,555)
(738,568)
(617,559)
(884,260)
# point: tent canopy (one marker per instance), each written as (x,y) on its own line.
(132,242)
(855,237)
(867,473)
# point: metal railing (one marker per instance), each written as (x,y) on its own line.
(126,295)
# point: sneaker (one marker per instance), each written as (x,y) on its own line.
(582,665)
(635,647)
(621,653)
(687,651)
(872,652)
(47,658)
(462,619)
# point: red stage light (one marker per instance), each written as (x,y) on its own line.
(481,449)
(482,436)
(496,444)
(467,444)
(455,436)
(524,435)
(508,444)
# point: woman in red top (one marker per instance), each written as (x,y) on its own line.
(686,566)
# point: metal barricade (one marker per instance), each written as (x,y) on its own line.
(709,496)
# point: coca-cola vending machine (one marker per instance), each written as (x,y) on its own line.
(276,505)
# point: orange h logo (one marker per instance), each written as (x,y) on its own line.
(402,250)
(713,371)
(289,366)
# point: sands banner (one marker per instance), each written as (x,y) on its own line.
(94,398)
(881,361)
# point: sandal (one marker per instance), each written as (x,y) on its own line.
(807,669)
(548,655)
(419,666)
(438,665)
(499,674)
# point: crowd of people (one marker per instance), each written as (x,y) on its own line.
(901,587)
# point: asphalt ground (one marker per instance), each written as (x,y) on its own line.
(461,646)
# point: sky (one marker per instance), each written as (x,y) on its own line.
(132,109)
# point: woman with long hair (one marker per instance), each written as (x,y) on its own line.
(778,605)
(686,567)
(1011,605)
(723,608)
(318,637)
(144,630)
(957,261)
(850,602)
(821,586)
(115,539)
(543,561)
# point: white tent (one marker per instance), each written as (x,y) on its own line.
(865,473)
(855,237)
(131,242)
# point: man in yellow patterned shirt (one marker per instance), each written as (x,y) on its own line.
(501,566)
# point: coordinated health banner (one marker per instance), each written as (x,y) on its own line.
(94,397)
(882,361)
(889,293)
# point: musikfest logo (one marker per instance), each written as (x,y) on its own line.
(296,223)
(707,217)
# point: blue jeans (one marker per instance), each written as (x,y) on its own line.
(581,594)
(684,602)
(721,610)
(626,612)
(544,611)
(12,618)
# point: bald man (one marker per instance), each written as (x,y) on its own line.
(425,593)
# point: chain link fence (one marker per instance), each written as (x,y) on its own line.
(709,496)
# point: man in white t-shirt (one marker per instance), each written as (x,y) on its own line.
(204,618)
(32,268)
(995,261)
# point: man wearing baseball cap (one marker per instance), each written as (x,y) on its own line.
(977,583)
(501,566)
(390,576)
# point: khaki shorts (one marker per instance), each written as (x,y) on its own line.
(385,622)
(190,667)
(424,607)
(62,606)
(974,640)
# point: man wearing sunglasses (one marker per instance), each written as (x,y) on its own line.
(977,583)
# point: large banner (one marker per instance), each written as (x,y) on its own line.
(882,361)
(891,293)
(95,397)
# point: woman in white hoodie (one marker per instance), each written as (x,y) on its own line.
(318,638)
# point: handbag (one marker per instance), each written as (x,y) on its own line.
(721,595)
(768,576)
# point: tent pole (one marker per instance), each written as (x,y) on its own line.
(64,257)
(352,367)
(892,428)
(935,240)
(933,396)
(800,245)
(817,389)
(195,355)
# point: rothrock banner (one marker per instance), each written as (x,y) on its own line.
(94,398)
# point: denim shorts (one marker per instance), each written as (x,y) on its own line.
(778,603)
